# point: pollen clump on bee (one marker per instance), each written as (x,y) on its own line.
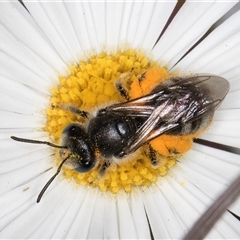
(90,85)
(166,144)
(148,81)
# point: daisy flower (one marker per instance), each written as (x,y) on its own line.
(59,53)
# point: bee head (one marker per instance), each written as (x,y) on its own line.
(80,151)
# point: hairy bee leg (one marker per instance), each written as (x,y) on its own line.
(141,76)
(74,110)
(153,156)
(119,85)
(123,91)
(104,167)
(120,88)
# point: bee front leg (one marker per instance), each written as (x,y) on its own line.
(125,79)
(74,110)
(104,167)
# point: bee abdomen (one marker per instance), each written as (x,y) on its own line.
(195,126)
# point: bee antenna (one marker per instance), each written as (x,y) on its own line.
(51,179)
(36,142)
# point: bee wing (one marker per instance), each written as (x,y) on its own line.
(144,106)
(173,105)
(152,129)
(139,107)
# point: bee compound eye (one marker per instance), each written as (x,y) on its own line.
(85,158)
(82,156)
(73,130)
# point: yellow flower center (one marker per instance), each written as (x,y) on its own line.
(91,84)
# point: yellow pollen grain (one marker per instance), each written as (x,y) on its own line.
(166,145)
(91,84)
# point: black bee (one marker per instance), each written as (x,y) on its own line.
(178,106)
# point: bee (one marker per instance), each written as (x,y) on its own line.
(177,106)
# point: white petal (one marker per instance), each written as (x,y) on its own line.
(162,219)
(231,101)
(227,114)
(187,206)
(15,178)
(23,93)
(224,164)
(177,40)
(111,230)
(15,120)
(52,218)
(139,215)
(80,225)
(225,128)
(113,21)
(152,21)
(21,24)
(54,20)
(51,37)
(235,84)
(218,52)
(156,222)
(201,179)
(126,223)
(58,213)
(20,149)
(204,188)
(96,24)
(17,228)
(22,74)
(97,224)
(131,16)
(72,208)
(235,207)
(228,226)
(82,16)
(21,198)
(21,161)
(14,105)
(16,50)
(200,200)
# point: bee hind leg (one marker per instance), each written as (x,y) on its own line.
(152,156)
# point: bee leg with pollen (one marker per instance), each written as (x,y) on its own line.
(74,110)
(152,154)
(120,82)
(141,77)
(125,79)
(106,164)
